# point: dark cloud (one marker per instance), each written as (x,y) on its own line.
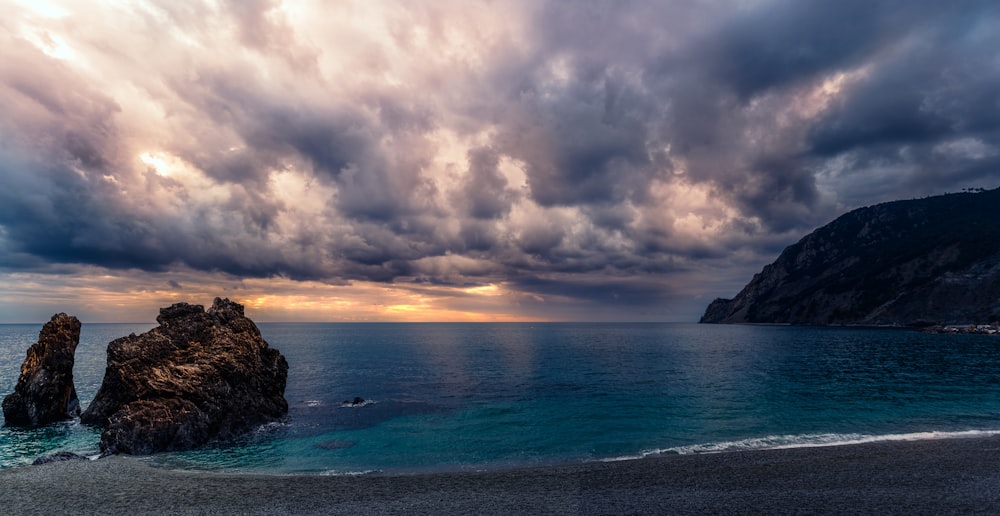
(890,107)
(784,42)
(925,115)
(586,151)
(587,146)
(479,236)
(631,292)
(485,193)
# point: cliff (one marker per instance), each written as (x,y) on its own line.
(917,262)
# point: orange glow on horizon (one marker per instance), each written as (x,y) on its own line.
(129,296)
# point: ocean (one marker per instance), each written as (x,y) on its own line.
(479,396)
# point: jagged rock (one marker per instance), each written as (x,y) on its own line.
(198,377)
(911,263)
(45,392)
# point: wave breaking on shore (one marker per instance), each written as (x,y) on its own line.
(781,442)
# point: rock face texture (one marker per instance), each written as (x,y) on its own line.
(919,262)
(199,377)
(44,392)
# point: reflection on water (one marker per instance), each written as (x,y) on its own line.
(461,396)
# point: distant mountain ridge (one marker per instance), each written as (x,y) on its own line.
(917,262)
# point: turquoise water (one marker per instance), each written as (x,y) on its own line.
(22,446)
(479,396)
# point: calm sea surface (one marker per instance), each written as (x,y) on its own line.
(477,396)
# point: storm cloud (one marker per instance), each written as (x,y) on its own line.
(582,158)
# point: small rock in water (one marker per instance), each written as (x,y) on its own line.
(58,457)
(354,403)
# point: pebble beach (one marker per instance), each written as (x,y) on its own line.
(955,476)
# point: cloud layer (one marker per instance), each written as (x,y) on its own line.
(560,160)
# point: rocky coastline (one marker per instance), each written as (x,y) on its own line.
(965,329)
(199,377)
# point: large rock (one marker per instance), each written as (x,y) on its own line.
(45,391)
(198,377)
(916,262)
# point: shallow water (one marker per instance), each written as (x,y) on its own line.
(22,446)
(480,396)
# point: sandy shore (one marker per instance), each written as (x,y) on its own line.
(919,477)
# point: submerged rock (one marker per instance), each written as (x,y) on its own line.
(335,445)
(45,392)
(198,377)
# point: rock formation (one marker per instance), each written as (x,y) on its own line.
(198,377)
(45,391)
(918,262)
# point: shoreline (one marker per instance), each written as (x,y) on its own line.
(953,475)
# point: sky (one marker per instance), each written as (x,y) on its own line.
(472,160)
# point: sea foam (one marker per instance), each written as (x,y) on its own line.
(778,442)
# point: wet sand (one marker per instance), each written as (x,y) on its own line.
(953,476)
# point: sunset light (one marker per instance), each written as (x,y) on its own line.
(411,160)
